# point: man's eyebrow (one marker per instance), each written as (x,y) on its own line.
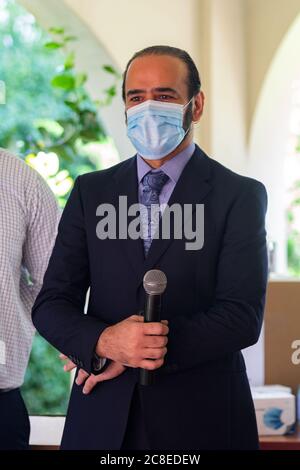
(136,91)
(166,89)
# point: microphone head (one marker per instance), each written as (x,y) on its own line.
(155,282)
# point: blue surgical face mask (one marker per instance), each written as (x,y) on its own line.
(155,128)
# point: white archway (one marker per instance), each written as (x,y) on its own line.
(268,140)
(270,132)
(90,56)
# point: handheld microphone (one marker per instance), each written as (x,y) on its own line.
(155,283)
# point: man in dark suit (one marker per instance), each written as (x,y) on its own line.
(214,301)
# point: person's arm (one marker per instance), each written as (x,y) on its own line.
(41,225)
(233,322)
(58,312)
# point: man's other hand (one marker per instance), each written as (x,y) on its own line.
(90,380)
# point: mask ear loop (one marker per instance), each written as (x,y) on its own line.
(186,104)
(189,128)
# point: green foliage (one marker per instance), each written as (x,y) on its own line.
(45,92)
(293,235)
(25,68)
(47,385)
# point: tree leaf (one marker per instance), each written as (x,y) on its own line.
(70,60)
(64,81)
(81,78)
(56,30)
(53,45)
(72,105)
(70,38)
(111,91)
(110,69)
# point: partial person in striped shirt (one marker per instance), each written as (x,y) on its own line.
(29,216)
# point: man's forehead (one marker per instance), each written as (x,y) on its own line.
(156,72)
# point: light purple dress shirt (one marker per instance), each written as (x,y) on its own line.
(173,168)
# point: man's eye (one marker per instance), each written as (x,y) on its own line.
(135,98)
(165,97)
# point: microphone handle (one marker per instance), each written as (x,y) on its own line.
(151,314)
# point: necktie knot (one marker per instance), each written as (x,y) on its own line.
(154,181)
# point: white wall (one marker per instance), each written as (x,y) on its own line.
(270,132)
(228,84)
(267,23)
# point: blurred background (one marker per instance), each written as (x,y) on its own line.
(61,63)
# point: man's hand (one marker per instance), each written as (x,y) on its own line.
(135,343)
(113,370)
(69,365)
(90,380)
(151,334)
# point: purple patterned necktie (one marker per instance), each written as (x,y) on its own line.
(152,184)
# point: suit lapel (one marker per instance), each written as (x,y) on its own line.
(126,180)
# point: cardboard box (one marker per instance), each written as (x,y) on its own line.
(275,409)
(282,332)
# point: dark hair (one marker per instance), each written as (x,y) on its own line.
(193,79)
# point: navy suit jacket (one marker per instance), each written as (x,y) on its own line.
(214,302)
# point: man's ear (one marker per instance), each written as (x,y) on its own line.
(198,106)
